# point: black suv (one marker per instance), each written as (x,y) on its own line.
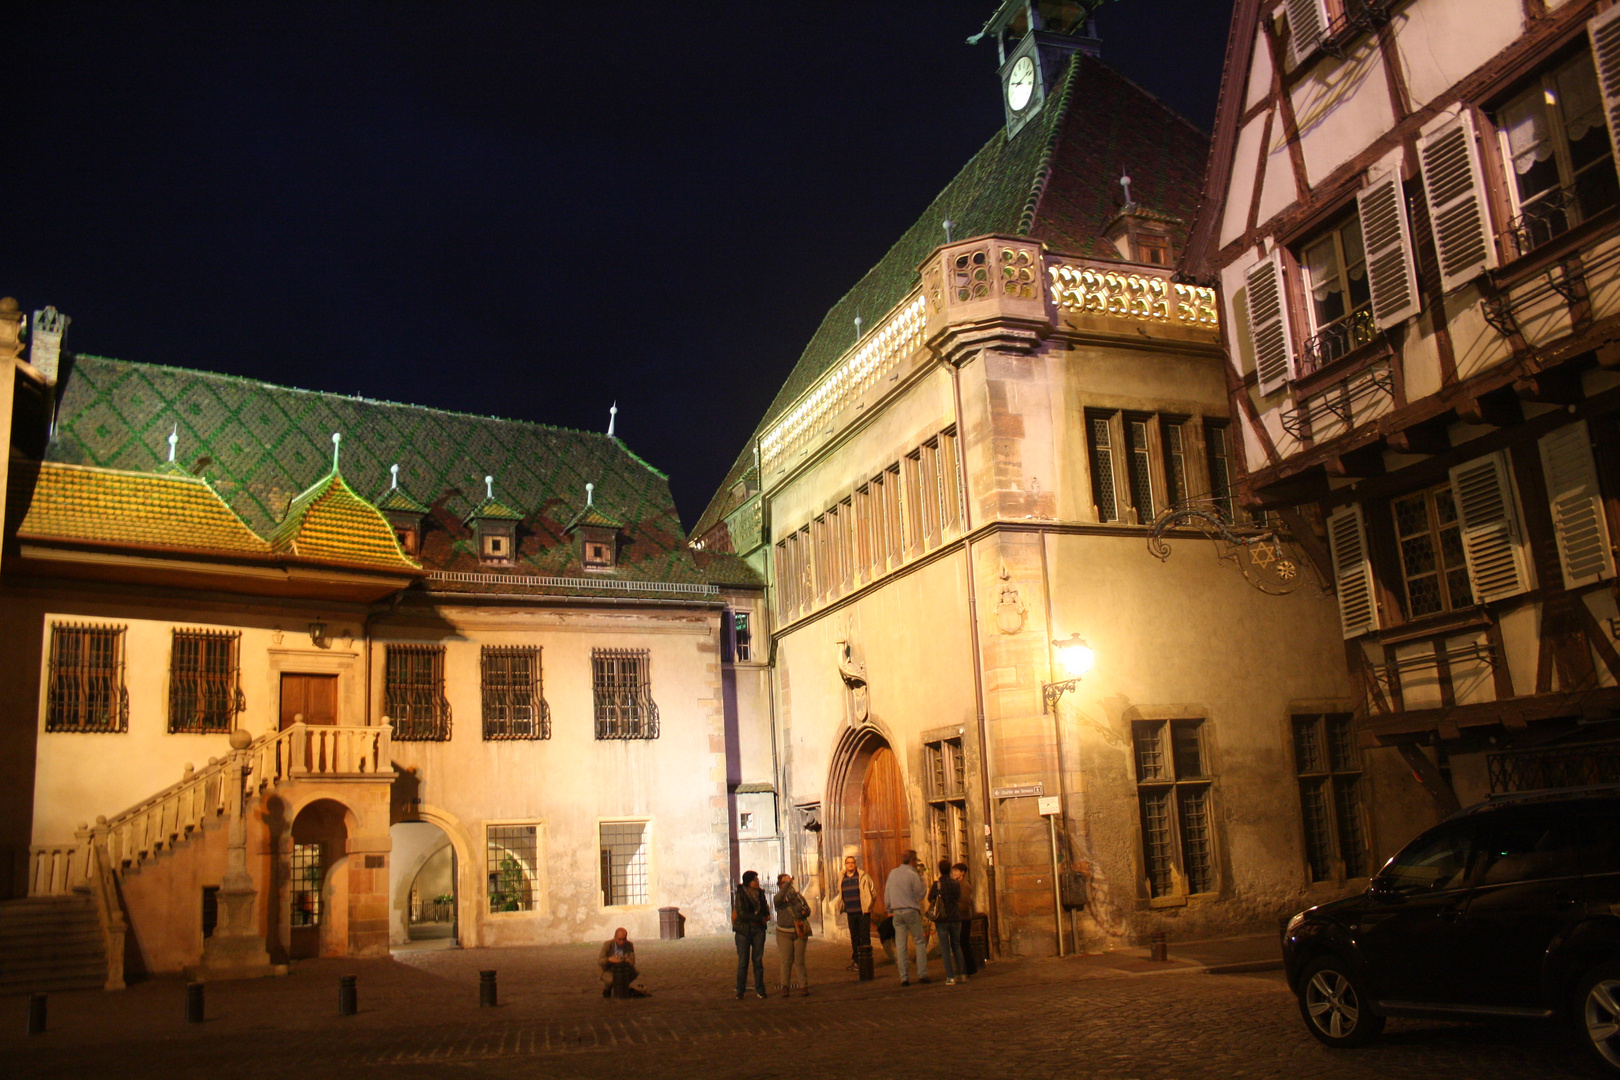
(1508,908)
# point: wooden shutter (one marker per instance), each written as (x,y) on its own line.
(1490,528)
(1268,324)
(1387,239)
(1604,31)
(1577,507)
(1352,571)
(1455,189)
(1307,25)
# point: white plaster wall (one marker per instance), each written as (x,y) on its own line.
(1279,190)
(1441,41)
(1260,70)
(1240,191)
(1343,110)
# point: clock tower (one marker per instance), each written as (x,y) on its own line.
(1034,41)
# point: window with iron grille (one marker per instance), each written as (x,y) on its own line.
(1220,469)
(205,692)
(1432,563)
(514,706)
(1330,794)
(1173,791)
(738,639)
(413,693)
(511,860)
(624,862)
(1175,464)
(946,777)
(1136,446)
(87,679)
(1102,468)
(622,682)
(306,884)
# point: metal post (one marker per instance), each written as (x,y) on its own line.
(194,1003)
(1057,895)
(1158,947)
(36,1013)
(486,989)
(863,946)
(348,995)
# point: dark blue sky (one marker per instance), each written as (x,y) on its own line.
(524,210)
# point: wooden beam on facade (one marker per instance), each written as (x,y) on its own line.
(1424,771)
(1561,386)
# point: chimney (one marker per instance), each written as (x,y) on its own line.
(45,342)
(10,331)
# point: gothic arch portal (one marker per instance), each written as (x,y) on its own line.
(868,804)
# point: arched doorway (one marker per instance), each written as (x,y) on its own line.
(870,798)
(317,892)
(422,893)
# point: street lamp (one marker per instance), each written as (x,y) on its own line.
(1076,657)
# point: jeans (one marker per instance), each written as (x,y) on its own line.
(790,951)
(950,947)
(908,921)
(860,932)
(751,942)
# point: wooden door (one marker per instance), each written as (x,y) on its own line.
(885,828)
(315,696)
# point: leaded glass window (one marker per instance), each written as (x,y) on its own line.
(1433,568)
(1173,795)
(1102,469)
(1330,796)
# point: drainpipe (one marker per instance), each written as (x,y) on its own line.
(978,662)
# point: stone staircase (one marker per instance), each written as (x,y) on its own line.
(51,943)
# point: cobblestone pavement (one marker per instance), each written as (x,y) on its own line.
(1026,1018)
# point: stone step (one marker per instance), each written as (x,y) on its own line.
(51,943)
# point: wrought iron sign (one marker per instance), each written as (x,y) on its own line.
(1266,558)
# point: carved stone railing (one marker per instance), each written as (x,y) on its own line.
(321,751)
(168,817)
(1136,295)
(109,912)
(55,869)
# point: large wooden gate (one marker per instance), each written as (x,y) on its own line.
(885,828)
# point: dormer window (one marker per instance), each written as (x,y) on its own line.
(598,534)
(598,554)
(408,539)
(495,542)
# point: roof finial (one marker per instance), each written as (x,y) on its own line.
(393,472)
(590,494)
(489,487)
(1125,182)
(948,224)
(857,326)
(336,438)
(174,437)
(613,414)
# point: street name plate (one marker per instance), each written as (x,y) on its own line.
(1018,791)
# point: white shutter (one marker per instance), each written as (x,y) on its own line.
(1352,571)
(1307,24)
(1577,506)
(1455,189)
(1387,239)
(1490,528)
(1604,31)
(1268,324)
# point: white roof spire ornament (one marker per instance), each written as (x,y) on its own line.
(174,437)
(948,225)
(613,415)
(336,438)
(489,488)
(857,326)
(1125,182)
(393,473)
(590,494)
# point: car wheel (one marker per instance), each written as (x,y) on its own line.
(1597,1013)
(1333,1005)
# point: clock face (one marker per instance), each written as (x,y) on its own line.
(1021,83)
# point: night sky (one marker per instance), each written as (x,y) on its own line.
(523,209)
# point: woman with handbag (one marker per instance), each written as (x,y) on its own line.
(792,933)
(944,908)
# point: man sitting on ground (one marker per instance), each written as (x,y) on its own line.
(618,958)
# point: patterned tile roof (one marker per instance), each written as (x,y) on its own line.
(136,509)
(261,445)
(399,500)
(592,517)
(329,523)
(1057,180)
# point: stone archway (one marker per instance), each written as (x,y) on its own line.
(314,866)
(423,893)
(868,795)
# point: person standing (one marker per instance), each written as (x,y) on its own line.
(857,892)
(792,934)
(903,896)
(945,900)
(750,913)
(964,908)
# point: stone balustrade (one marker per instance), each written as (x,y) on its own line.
(312,751)
(56,869)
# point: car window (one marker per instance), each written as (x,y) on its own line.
(1526,843)
(1437,860)
(1600,837)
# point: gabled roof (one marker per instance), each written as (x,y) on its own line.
(79,503)
(1057,181)
(330,523)
(492,509)
(261,446)
(398,500)
(591,517)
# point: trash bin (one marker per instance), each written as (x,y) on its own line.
(670,926)
(978,939)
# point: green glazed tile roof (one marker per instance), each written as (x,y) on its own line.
(592,517)
(1057,181)
(330,523)
(136,509)
(261,445)
(398,500)
(493,509)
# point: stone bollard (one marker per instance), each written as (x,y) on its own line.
(486,989)
(36,1013)
(1159,948)
(194,1003)
(863,948)
(348,995)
